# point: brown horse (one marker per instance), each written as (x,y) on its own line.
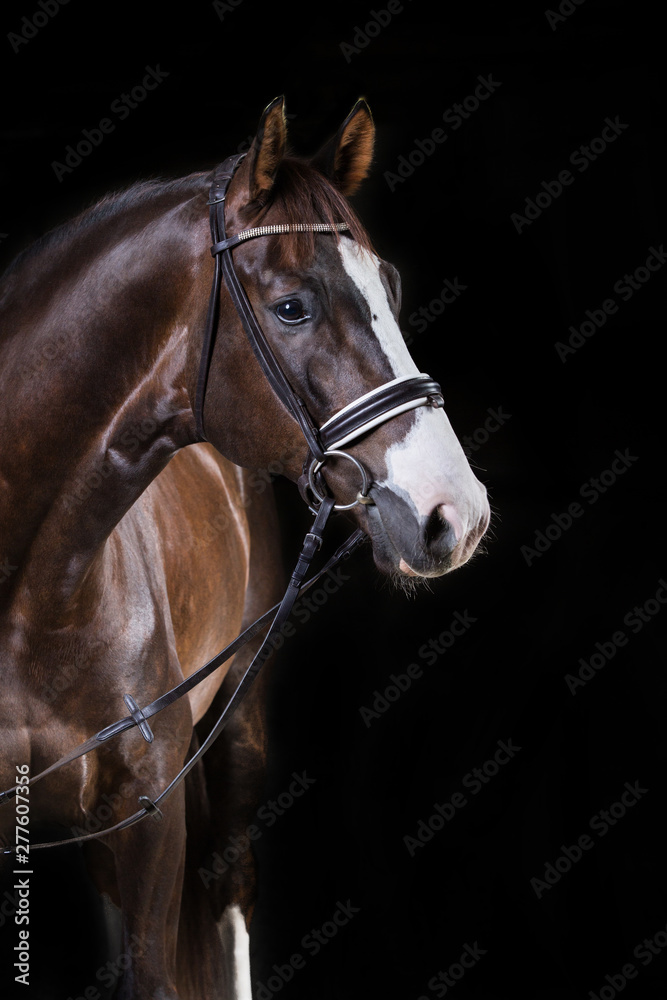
(130,558)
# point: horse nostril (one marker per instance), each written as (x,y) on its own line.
(449,515)
(440,530)
(435,526)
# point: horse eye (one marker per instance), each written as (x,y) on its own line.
(291,311)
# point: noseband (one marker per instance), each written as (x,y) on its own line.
(352,421)
(344,428)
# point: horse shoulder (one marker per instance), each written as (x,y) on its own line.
(198,505)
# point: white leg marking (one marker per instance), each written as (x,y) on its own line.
(236,922)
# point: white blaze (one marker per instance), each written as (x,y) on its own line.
(428,466)
(364,270)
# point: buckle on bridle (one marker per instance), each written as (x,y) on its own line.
(151,808)
(317,539)
(361,497)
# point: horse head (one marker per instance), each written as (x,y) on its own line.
(328,306)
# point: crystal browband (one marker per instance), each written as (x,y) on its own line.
(297,227)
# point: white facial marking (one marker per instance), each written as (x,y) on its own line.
(428,465)
(236,923)
(364,270)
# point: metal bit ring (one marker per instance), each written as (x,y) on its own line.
(362,495)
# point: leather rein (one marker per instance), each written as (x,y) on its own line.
(346,426)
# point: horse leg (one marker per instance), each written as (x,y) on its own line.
(235,774)
(150,858)
(200,962)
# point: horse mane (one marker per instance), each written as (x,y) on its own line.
(302,193)
(112,205)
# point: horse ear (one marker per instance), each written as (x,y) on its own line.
(346,158)
(266,152)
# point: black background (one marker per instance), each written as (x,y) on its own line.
(492,348)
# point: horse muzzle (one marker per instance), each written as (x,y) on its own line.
(425,546)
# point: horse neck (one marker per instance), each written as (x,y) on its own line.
(96,369)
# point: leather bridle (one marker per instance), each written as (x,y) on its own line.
(350,423)
(346,426)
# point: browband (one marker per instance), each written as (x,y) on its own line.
(285,227)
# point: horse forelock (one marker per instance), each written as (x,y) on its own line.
(302,194)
